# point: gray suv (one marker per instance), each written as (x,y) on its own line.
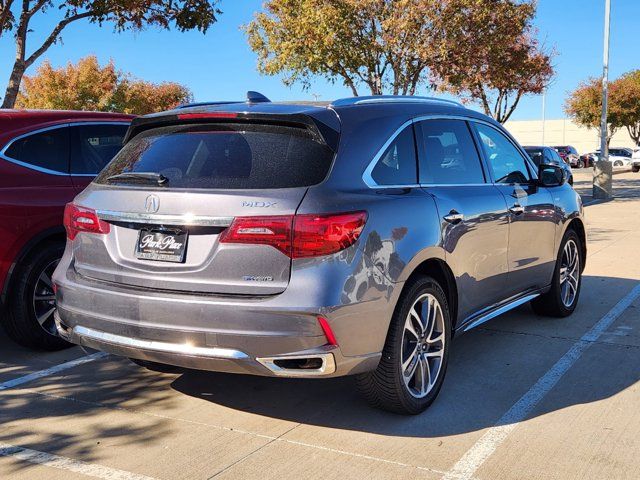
(309,240)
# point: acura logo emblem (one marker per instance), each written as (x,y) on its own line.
(152,204)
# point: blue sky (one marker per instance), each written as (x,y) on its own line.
(219,65)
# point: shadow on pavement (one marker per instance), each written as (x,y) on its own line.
(489,371)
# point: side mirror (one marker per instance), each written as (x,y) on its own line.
(551,175)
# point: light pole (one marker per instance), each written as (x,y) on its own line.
(544,112)
(603,170)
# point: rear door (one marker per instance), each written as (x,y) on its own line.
(169,235)
(531,212)
(92,146)
(474,222)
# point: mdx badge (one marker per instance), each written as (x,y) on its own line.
(258,204)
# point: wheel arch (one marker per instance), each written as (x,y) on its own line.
(577,225)
(442,273)
(54,234)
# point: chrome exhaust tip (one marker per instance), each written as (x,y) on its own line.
(310,365)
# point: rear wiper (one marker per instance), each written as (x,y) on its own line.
(153,177)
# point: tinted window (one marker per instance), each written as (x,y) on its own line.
(504,159)
(536,154)
(448,154)
(231,156)
(556,158)
(398,165)
(93,146)
(48,149)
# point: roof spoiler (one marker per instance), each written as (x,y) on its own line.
(321,131)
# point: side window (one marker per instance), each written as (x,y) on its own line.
(448,155)
(556,157)
(93,146)
(398,164)
(48,149)
(504,159)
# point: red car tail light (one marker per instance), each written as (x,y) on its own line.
(316,235)
(268,230)
(299,236)
(81,219)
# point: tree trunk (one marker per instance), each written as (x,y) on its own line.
(13,87)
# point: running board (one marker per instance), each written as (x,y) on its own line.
(500,310)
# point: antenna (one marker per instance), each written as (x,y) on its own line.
(256,97)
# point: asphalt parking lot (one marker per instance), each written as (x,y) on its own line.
(525,397)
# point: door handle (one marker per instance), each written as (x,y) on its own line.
(454,217)
(517,209)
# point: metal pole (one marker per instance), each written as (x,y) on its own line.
(603,170)
(544,95)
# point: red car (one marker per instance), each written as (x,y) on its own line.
(46,159)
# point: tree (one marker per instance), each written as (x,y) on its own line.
(383,44)
(628,97)
(484,50)
(487,52)
(15,18)
(584,106)
(89,86)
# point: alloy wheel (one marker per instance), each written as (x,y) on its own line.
(569,273)
(44,298)
(423,344)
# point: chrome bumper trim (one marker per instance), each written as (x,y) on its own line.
(157,219)
(327,368)
(180,349)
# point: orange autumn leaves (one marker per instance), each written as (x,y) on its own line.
(87,85)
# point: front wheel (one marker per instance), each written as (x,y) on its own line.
(416,352)
(617,163)
(562,299)
(635,169)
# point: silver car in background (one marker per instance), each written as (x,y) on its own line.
(316,240)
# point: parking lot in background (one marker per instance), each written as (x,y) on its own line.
(525,397)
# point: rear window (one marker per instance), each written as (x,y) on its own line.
(227,156)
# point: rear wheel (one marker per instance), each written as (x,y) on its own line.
(580,164)
(635,169)
(416,352)
(562,299)
(31,305)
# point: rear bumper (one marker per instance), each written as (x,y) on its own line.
(260,336)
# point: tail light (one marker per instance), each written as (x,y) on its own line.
(81,219)
(298,236)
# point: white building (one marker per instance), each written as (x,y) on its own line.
(563,132)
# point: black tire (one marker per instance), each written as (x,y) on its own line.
(551,303)
(635,169)
(21,321)
(617,163)
(580,164)
(157,367)
(385,387)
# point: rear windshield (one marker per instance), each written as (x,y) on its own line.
(227,156)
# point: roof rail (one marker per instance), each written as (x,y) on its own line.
(344,102)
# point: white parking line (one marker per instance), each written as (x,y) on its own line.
(471,461)
(52,371)
(64,463)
